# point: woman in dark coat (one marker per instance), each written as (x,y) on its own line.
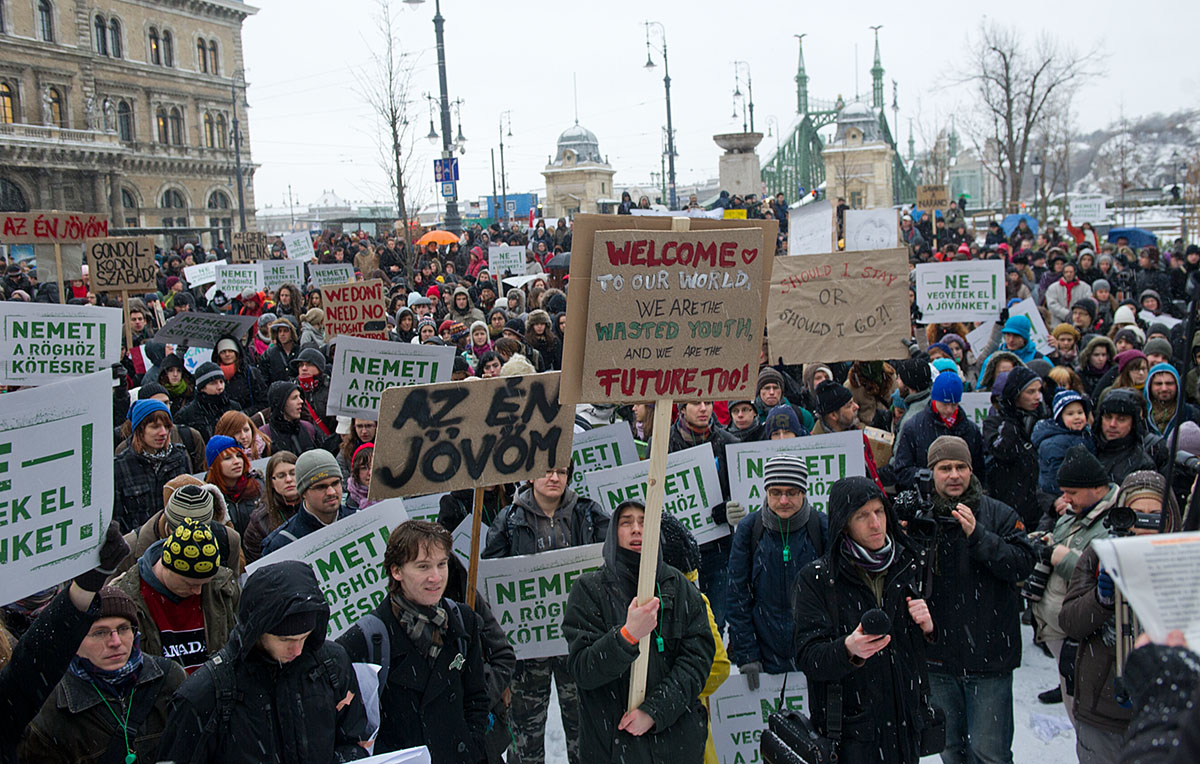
(603,625)
(245,384)
(287,433)
(1012,459)
(140,473)
(868,564)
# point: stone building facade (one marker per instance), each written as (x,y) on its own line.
(579,177)
(858,161)
(126,108)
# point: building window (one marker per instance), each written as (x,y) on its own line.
(46,20)
(11,198)
(168,49)
(202,55)
(210,138)
(2,27)
(218,200)
(114,43)
(173,200)
(127,200)
(57,114)
(101,32)
(125,121)
(160,120)
(176,120)
(8,104)
(222,132)
(213,65)
(155,48)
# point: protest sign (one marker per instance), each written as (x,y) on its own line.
(674,315)
(505,260)
(714,214)
(933,197)
(1040,336)
(978,339)
(598,449)
(1157,574)
(739,714)
(51,227)
(528,595)
(839,306)
(276,273)
(57,488)
(462,538)
(1087,209)
(249,247)
(975,406)
(355,309)
(202,330)
(42,343)
(970,290)
(122,264)
(811,229)
(201,273)
(828,457)
(455,435)
(48,257)
(233,279)
(330,275)
(734,215)
(1164,319)
(425,507)
(298,245)
(692,487)
(347,558)
(877,228)
(363,369)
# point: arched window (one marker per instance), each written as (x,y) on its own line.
(176,126)
(57,113)
(160,121)
(214,65)
(168,49)
(8,104)
(100,28)
(210,138)
(155,47)
(125,121)
(46,20)
(127,200)
(222,132)
(172,200)
(11,198)
(202,56)
(218,200)
(114,43)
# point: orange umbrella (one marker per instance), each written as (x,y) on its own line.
(439,237)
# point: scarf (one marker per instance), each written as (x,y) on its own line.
(1069,287)
(424,625)
(871,562)
(797,521)
(229,370)
(626,567)
(691,436)
(359,492)
(158,456)
(1161,415)
(176,388)
(117,682)
(307,384)
(971,497)
(948,421)
(246,487)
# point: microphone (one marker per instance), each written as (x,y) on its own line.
(876,622)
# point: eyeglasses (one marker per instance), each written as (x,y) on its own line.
(125,632)
(284,475)
(779,493)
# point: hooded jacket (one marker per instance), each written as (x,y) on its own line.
(1021,326)
(204,411)
(469,315)
(1091,377)
(404,335)
(1012,459)
(247,387)
(1189,414)
(1052,441)
(178,400)
(522,528)
(306,711)
(276,362)
(287,435)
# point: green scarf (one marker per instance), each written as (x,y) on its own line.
(971,497)
(177,388)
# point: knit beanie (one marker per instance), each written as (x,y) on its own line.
(1062,329)
(1189,437)
(208,372)
(947,388)
(188,502)
(516,326)
(309,355)
(191,550)
(1064,398)
(1125,357)
(144,408)
(227,344)
(782,418)
(945,364)
(948,447)
(831,397)
(679,547)
(915,374)
(1159,346)
(1125,315)
(1099,284)
(1142,484)
(217,444)
(785,469)
(151,389)
(768,375)
(115,603)
(1080,469)
(314,466)
(295,624)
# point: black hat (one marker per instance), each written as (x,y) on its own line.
(460,364)
(1080,469)
(309,355)
(831,396)
(1121,401)
(679,547)
(516,326)
(915,374)
(151,389)
(208,372)
(295,624)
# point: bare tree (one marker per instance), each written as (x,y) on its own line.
(1017,80)
(1053,144)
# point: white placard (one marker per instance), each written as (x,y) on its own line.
(276,273)
(976,406)
(201,273)
(426,507)
(877,228)
(363,369)
(56,491)
(829,458)
(331,274)
(1164,319)
(1088,210)
(506,259)
(41,343)
(693,488)
(739,714)
(232,279)
(1040,335)
(298,245)
(971,290)
(1157,574)
(598,449)
(979,337)
(462,539)
(810,229)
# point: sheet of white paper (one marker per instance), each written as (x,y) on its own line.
(871,229)
(810,229)
(419,755)
(1157,574)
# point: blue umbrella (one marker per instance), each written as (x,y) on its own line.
(1009,224)
(1138,237)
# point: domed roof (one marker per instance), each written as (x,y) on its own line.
(860,116)
(856,110)
(582,142)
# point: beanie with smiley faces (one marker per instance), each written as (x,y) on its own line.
(191,550)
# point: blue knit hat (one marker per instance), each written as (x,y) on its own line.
(1065,397)
(947,388)
(217,444)
(946,364)
(1019,325)
(144,408)
(781,418)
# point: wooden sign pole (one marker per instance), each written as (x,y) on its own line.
(62,294)
(476,525)
(125,320)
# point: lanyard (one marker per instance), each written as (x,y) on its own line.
(130,756)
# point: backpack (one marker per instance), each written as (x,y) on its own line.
(812,527)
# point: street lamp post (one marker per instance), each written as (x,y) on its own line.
(504,115)
(237,145)
(749,89)
(453,219)
(667,87)
(1036,165)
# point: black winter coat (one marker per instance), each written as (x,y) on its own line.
(515,531)
(1012,459)
(276,363)
(138,484)
(919,432)
(204,411)
(241,706)
(1162,683)
(247,387)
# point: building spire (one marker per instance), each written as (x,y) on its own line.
(877,74)
(801,80)
(575,87)
(912,145)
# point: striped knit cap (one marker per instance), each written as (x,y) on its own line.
(786,470)
(189,502)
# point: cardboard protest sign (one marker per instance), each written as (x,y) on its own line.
(356,309)
(42,343)
(584,288)
(975,406)
(249,247)
(201,273)
(233,279)
(51,227)
(877,228)
(298,245)
(933,196)
(276,273)
(828,457)
(674,315)
(122,263)
(739,714)
(331,274)
(57,489)
(970,290)
(202,330)
(598,449)
(840,306)
(363,369)
(462,538)
(347,558)
(528,595)
(464,434)
(692,485)
(811,229)
(71,255)
(506,259)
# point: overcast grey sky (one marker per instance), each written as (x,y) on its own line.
(311,129)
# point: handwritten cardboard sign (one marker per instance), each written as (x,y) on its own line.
(330,274)
(249,247)
(203,330)
(363,369)
(122,263)
(840,306)
(42,343)
(971,290)
(51,227)
(356,309)
(276,273)
(933,197)
(455,435)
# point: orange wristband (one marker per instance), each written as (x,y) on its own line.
(628,637)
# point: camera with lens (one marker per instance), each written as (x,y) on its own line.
(1039,577)
(1123,521)
(915,508)
(1123,282)
(1188,463)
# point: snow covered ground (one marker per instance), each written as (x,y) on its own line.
(1042,733)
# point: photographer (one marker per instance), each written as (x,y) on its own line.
(980,552)
(1087,497)
(868,691)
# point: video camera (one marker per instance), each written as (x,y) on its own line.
(1123,521)
(915,509)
